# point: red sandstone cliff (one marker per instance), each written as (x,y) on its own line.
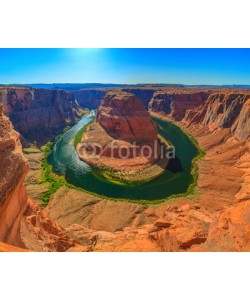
(39,114)
(13,169)
(175,103)
(90,98)
(217,222)
(22,223)
(124,117)
(242,131)
(226,109)
(127,136)
(143,94)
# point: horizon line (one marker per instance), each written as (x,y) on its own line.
(109,83)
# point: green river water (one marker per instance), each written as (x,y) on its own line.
(175,180)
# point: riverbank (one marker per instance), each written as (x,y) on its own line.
(78,137)
(64,159)
(195,162)
(61,157)
(221,183)
(141,176)
(218,175)
(35,186)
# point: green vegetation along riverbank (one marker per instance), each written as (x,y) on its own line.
(78,137)
(94,183)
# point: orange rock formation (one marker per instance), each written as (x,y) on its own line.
(124,130)
(215,219)
(13,168)
(175,102)
(22,223)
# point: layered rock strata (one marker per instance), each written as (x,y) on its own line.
(22,223)
(175,103)
(143,94)
(224,110)
(39,114)
(90,98)
(13,169)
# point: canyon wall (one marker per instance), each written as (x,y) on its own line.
(39,114)
(22,222)
(175,103)
(226,109)
(13,169)
(90,98)
(143,94)
(217,218)
(169,100)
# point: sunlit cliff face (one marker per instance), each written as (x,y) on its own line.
(14,169)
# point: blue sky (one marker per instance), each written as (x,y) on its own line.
(186,66)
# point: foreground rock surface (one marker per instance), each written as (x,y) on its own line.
(230,232)
(38,232)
